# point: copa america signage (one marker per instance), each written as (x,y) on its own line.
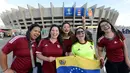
(69,11)
(79,12)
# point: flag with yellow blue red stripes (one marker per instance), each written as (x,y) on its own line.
(77,64)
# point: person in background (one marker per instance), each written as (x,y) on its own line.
(50,48)
(67,36)
(13,34)
(116,50)
(2,35)
(86,28)
(20,46)
(82,46)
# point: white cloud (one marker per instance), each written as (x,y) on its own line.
(126,1)
(123,19)
(3,7)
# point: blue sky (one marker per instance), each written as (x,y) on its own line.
(122,6)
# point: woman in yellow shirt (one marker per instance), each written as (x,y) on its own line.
(83,46)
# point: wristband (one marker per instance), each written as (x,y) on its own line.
(5,69)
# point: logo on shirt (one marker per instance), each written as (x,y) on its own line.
(58,46)
(115,42)
(78,49)
(32,45)
(46,45)
(91,47)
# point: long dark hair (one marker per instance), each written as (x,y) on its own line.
(86,38)
(59,37)
(101,33)
(28,33)
(70,32)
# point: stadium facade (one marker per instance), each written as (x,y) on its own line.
(22,18)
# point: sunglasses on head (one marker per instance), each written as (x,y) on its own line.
(78,32)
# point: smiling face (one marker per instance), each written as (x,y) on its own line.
(35,33)
(66,28)
(54,32)
(80,34)
(105,26)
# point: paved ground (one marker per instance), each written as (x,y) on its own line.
(3,41)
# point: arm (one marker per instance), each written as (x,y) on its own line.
(100,46)
(3,63)
(126,55)
(9,47)
(39,51)
(100,56)
(72,50)
(40,55)
(44,58)
(100,50)
(84,21)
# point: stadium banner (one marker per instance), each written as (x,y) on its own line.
(68,11)
(89,12)
(79,12)
(77,64)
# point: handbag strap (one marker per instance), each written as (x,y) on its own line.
(32,57)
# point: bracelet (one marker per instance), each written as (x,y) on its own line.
(5,69)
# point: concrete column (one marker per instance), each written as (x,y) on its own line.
(23,16)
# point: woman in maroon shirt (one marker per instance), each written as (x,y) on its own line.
(21,51)
(50,48)
(67,36)
(114,43)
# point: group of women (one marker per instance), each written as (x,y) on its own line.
(61,41)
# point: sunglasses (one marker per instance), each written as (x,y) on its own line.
(105,25)
(78,32)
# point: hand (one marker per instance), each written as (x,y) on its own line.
(67,53)
(71,54)
(128,64)
(101,62)
(83,19)
(9,71)
(51,59)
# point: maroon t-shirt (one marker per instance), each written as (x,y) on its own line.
(67,44)
(47,48)
(21,52)
(114,48)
